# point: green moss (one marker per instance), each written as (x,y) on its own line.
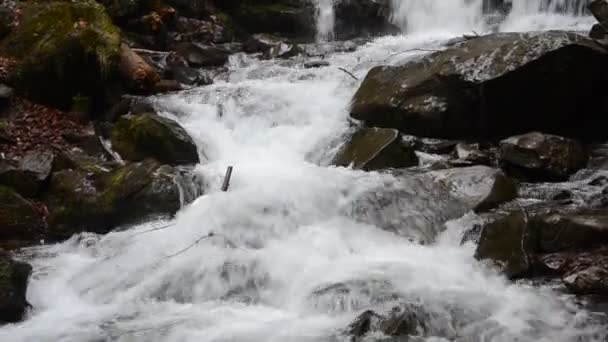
(67,48)
(48,29)
(145,136)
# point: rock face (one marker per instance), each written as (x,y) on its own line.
(13,285)
(98,201)
(540,156)
(144,136)
(405,321)
(493,87)
(199,56)
(291,18)
(375,149)
(599,9)
(68,48)
(558,232)
(548,242)
(363,18)
(28,176)
(18,217)
(509,243)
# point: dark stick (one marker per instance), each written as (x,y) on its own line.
(349,73)
(226,183)
(190,246)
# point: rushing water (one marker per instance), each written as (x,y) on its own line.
(289,258)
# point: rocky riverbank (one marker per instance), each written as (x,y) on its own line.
(509,126)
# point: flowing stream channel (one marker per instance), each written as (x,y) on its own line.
(287,254)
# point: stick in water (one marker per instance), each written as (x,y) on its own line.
(348,73)
(226,184)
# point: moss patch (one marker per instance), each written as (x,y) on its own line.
(68,48)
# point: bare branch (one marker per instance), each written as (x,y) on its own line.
(410,50)
(191,245)
(349,73)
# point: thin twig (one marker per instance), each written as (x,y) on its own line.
(154,229)
(152,52)
(410,50)
(191,245)
(349,73)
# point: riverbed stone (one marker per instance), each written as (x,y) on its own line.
(544,157)
(138,137)
(376,149)
(508,243)
(13,286)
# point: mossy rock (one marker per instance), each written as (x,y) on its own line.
(18,217)
(144,136)
(292,18)
(13,285)
(122,10)
(67,49)
(374,149)
(84,202)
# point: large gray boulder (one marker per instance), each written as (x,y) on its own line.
(416,206)
(493,87)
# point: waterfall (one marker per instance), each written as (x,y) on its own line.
(325,19)
(436,15)
(415,16)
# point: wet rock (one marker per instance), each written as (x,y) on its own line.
(571,231)
(13,286)
(376,149)
(283,50)
(6,95)
(64,55)
(492,87)
(471,153)
(409,320)
(363,18)
(436,146)
(19,219)
(538,156)
(289,18)
(216,29)
(100,200)
(199,56)
(508,242)
(261,43)
(29,174)
(316,64)
(480,187)
(417,205)
(144,136)
(599,9)
(189,76)
(598,32)
(587,273)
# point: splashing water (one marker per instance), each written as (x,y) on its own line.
(289,258)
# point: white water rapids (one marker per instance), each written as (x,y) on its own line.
(285,234)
